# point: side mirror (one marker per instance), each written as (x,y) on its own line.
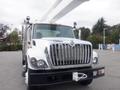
(34,43)
(28,19)
(29,42)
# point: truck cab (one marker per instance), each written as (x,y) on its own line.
(52,55)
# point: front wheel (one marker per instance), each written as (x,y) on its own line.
(86,82)
(28,86)
(27,80)
(24,69)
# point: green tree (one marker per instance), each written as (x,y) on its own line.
(3,31)
(95,40)
(109,39)
(14,41)
(99,26)
(115,36)
(98,30)
(85,32)
(13,38)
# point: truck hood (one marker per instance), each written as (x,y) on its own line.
(43,46)
(48,41)
(38,50)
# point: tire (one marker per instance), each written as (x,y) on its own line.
(28,86)
(24,69)
(31,88)
(24,59)
(86,82)
(35,88)
(27,81)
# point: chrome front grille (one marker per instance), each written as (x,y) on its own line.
(65,54)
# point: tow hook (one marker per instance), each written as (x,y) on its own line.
(79,76)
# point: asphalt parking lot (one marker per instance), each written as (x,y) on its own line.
(11,79)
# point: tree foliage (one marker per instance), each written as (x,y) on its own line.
(99,26)
(3,30)
(85,32)
(95,40)
(11,43)
(115,34)
(111,32)
(13,38)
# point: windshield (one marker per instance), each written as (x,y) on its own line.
(50,30)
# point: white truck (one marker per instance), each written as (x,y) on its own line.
(52,55)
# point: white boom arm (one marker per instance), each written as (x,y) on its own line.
(51,9)
(72,5)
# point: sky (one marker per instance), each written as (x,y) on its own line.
(13,12)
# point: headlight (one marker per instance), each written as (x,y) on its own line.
(41,64)
(95,60)
(33,62)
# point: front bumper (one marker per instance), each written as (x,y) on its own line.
(50,77)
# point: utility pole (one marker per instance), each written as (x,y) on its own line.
(104,38)
(119,39)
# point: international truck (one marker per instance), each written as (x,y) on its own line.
(52,55)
